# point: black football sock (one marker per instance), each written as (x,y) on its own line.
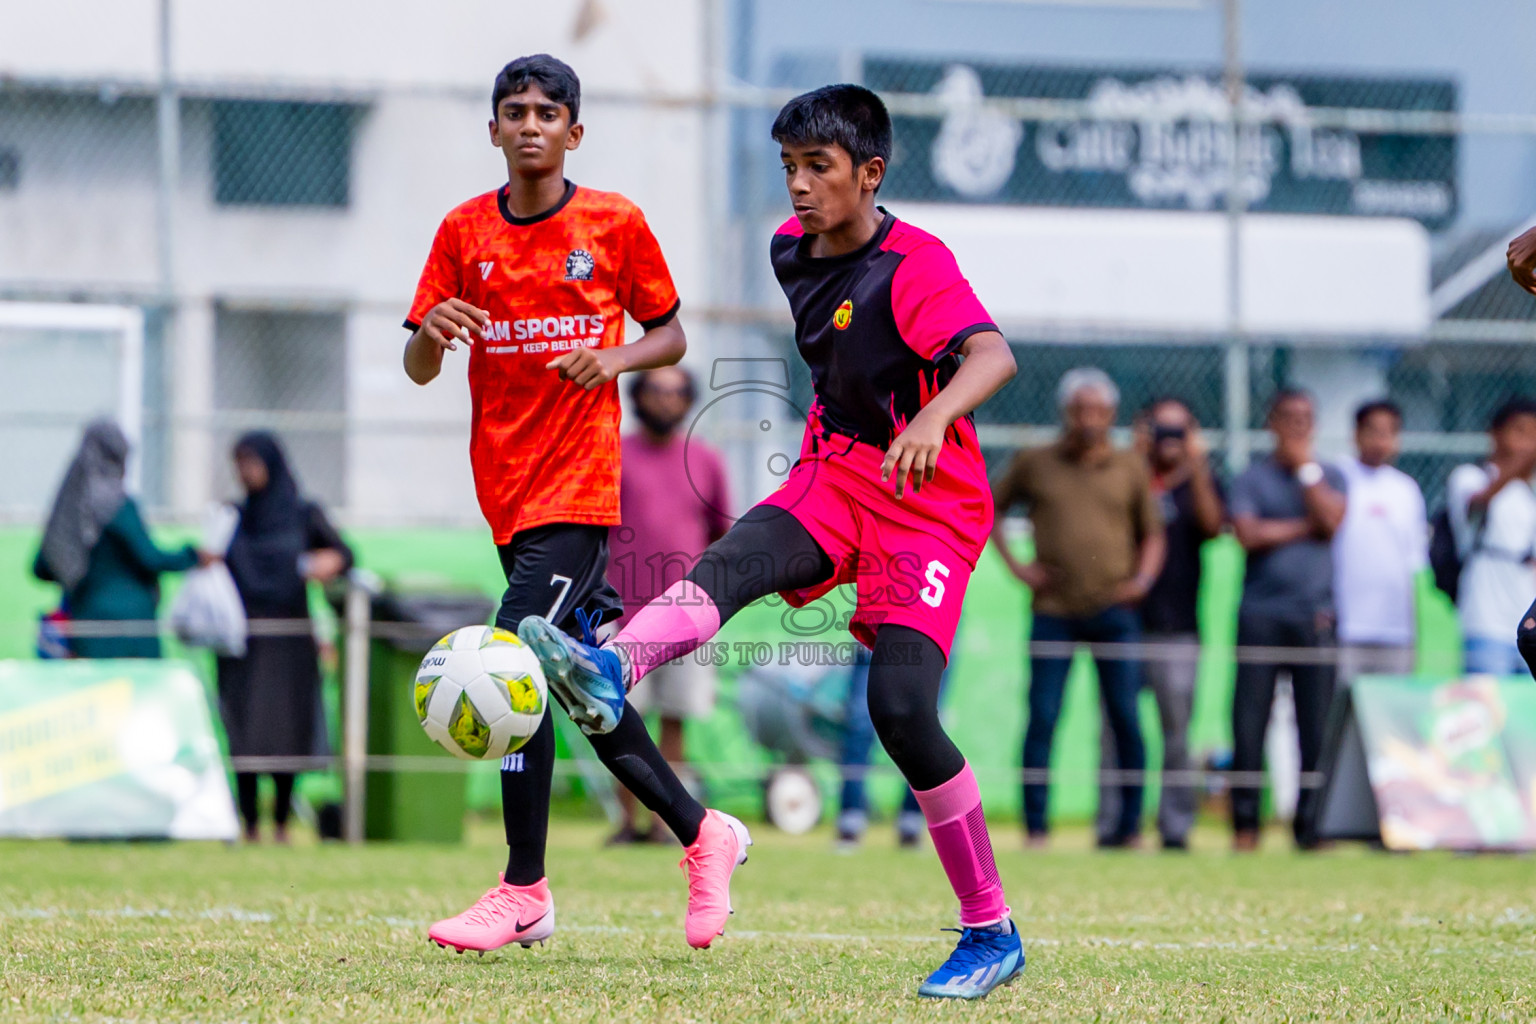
(525,804)
(282,802)
(245,787)
(631,755)
(905,673)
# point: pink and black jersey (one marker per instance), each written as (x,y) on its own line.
(879,327)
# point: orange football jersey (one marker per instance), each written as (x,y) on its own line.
(544,450)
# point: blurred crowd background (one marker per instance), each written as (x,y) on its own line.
(212,217)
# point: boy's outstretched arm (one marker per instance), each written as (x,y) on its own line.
(988,366)
(662,345)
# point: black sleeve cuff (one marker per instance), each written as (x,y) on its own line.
(411,326)
(953,345)
(664,319)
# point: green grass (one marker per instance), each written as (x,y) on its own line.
(206,933)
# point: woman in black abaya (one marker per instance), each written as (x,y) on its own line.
(270,699)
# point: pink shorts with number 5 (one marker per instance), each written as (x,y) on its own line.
(909,560)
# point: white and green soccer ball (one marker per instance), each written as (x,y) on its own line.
(480,693)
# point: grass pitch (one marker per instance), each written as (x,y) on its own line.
(207,933)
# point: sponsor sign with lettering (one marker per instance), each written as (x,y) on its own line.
(1159,139)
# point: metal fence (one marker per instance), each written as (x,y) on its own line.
(217,211)
(352,762)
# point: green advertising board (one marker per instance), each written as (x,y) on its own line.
(1429,764)
(1158,139)
(109,750)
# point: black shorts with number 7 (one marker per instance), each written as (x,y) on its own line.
(553,570)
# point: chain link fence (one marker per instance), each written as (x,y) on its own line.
(274,263)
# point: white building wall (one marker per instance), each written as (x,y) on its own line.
(627,46)
(80,39)
(82,221)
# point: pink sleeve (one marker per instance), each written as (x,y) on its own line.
(933,303)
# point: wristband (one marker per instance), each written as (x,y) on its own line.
(1309,474)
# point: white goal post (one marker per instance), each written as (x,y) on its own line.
(61,365)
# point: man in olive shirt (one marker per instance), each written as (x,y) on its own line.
(1099,546)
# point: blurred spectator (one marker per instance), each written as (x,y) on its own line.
(1285,511)
(1099,547)
(1379,550)
(96,548)
(858,742)
(270,699)
(1493,516)
(1191,503)
(673,503)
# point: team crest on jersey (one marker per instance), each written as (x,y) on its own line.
(579,265)
(844,315)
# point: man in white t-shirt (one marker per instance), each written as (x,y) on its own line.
(1379,550)
(1493,515)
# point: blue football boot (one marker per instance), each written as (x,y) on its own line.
(985,958)
(590,680)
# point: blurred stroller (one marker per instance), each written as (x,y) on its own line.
(806,713)
(800,714)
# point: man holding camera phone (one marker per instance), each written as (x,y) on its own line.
(1191,503)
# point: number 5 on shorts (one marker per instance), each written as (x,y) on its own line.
(933,593)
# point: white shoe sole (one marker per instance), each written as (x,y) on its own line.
(743,840)
(973,992)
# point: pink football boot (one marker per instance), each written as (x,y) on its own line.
(720,848)
(505,914)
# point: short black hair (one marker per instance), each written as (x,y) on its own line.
(1376,405)
(1290,393)
(638,382)
(1517,406)
(1162,400)
(849,116)
(553,76)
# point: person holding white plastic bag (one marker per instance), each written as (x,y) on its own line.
(270,699)
(208,611)
(96,547)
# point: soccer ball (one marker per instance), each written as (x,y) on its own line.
(480,693)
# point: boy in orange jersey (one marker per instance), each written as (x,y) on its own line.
(535,278)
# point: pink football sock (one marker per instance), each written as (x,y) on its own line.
(669,627)
(959,830)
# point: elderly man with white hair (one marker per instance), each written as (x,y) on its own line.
(1099,546)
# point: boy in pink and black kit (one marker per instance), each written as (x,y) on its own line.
(890,493)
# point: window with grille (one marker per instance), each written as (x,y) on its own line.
(268,153)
